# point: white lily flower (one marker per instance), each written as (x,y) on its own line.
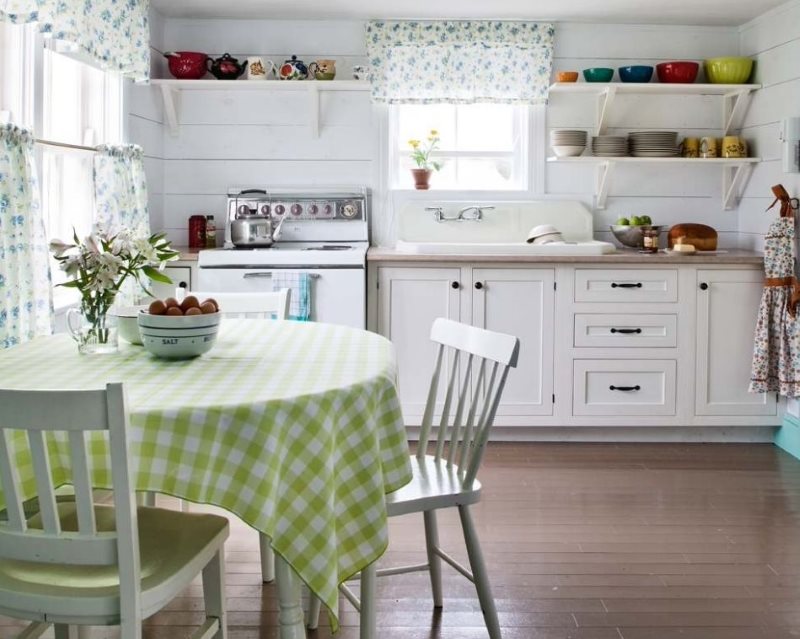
(58,248)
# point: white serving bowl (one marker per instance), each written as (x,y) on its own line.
(547,238)
(128,322)
(181,337)
(568,151)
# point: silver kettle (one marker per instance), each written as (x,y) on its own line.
(252,230)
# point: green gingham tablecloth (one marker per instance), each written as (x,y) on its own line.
(294,427)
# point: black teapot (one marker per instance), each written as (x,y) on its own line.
(226,67)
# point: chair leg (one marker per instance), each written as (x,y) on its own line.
(434,561)
(314,607)
(267,559)
(368,618)
(479,573)
(214,593)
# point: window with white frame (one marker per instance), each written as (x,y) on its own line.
(483,146)
(13,74)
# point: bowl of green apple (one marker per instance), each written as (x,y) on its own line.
(629,231)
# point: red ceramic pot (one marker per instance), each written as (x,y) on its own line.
(187,65)
(422,179)
(677,72)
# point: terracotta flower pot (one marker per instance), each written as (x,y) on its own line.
(422,179)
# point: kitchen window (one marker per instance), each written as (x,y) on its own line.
(483,146)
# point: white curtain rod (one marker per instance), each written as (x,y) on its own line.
(65,145)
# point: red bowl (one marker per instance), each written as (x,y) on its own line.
(677,72)
(187,65)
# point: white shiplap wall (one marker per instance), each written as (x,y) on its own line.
(236,139)
(774,41)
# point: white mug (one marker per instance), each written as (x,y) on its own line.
(257,68)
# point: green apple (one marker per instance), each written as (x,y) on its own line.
(636,220)
(646,219)
(623,221)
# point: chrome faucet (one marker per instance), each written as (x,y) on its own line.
(472,213)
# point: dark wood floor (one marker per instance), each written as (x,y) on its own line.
(583,541)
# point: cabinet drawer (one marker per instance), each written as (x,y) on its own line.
(626,285)
(624,387)
(625,331)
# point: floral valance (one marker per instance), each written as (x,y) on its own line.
(460,62)
(114,34)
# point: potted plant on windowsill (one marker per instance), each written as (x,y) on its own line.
(421,154)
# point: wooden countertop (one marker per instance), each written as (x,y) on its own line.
(729,256)
(187,254)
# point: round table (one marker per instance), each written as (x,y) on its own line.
(294,427)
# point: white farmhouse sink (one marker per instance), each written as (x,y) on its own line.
(592,247)
(503,229)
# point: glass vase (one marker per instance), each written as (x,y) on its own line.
(95,332)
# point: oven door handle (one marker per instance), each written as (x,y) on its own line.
(261,274)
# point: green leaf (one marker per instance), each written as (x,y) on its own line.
(155,275)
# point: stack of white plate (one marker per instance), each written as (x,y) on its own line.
(567,143)
(610,146)
(654,144)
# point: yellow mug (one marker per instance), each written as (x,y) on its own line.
(690,148)
(708,147)
(734,147)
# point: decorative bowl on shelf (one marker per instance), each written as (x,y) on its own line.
(729,70)
(567,76)
(178,337)
(598,74)
(680,72)
(635,73)
(568,151)
(187,65)
(632,236)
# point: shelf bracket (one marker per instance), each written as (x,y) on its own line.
(604,174)
(605,101)
(172,106)
(734,107)
(734,179)
(314,107)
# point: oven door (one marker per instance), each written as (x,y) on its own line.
(338,295)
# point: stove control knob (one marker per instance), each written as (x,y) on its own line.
(349,211)
(243,209)
(327,210)
(265,209)
(280,209)
(313,209)
(297,209)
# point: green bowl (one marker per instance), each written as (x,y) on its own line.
(728,70)
(598,74)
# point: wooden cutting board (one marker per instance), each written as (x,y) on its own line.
(704,238)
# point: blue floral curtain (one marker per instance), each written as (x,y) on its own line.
(459,62)
(120,195)
(26,303)
(113,33)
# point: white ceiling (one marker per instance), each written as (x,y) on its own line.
(693,12)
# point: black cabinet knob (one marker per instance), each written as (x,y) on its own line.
(455,285)
(703,286)
(479,285)
(183,285)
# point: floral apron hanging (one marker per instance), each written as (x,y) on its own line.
(776,353)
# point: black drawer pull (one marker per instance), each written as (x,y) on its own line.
(627,331)
(626,285)
(625,388)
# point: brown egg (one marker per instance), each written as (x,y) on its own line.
(157,307)
(193,311)
(190,301)
(206,308)
(171,301)
(213,301)
(174,310)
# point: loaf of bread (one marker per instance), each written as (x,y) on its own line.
(702,237)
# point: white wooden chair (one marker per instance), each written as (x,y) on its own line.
(480,360)
(258,305)
(264,306)
(78,563)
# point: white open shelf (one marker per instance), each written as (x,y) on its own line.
(171,93)
(735,172)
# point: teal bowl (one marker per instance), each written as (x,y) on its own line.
(598,74)
(728,70)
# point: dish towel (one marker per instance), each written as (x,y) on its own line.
(300,301)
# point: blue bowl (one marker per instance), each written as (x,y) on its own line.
(598,74)
(636,73)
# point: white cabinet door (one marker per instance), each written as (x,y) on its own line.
(181,276)
(409,299)
(520,302)
(727,306)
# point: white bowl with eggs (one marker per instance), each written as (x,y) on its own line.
(178,336)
